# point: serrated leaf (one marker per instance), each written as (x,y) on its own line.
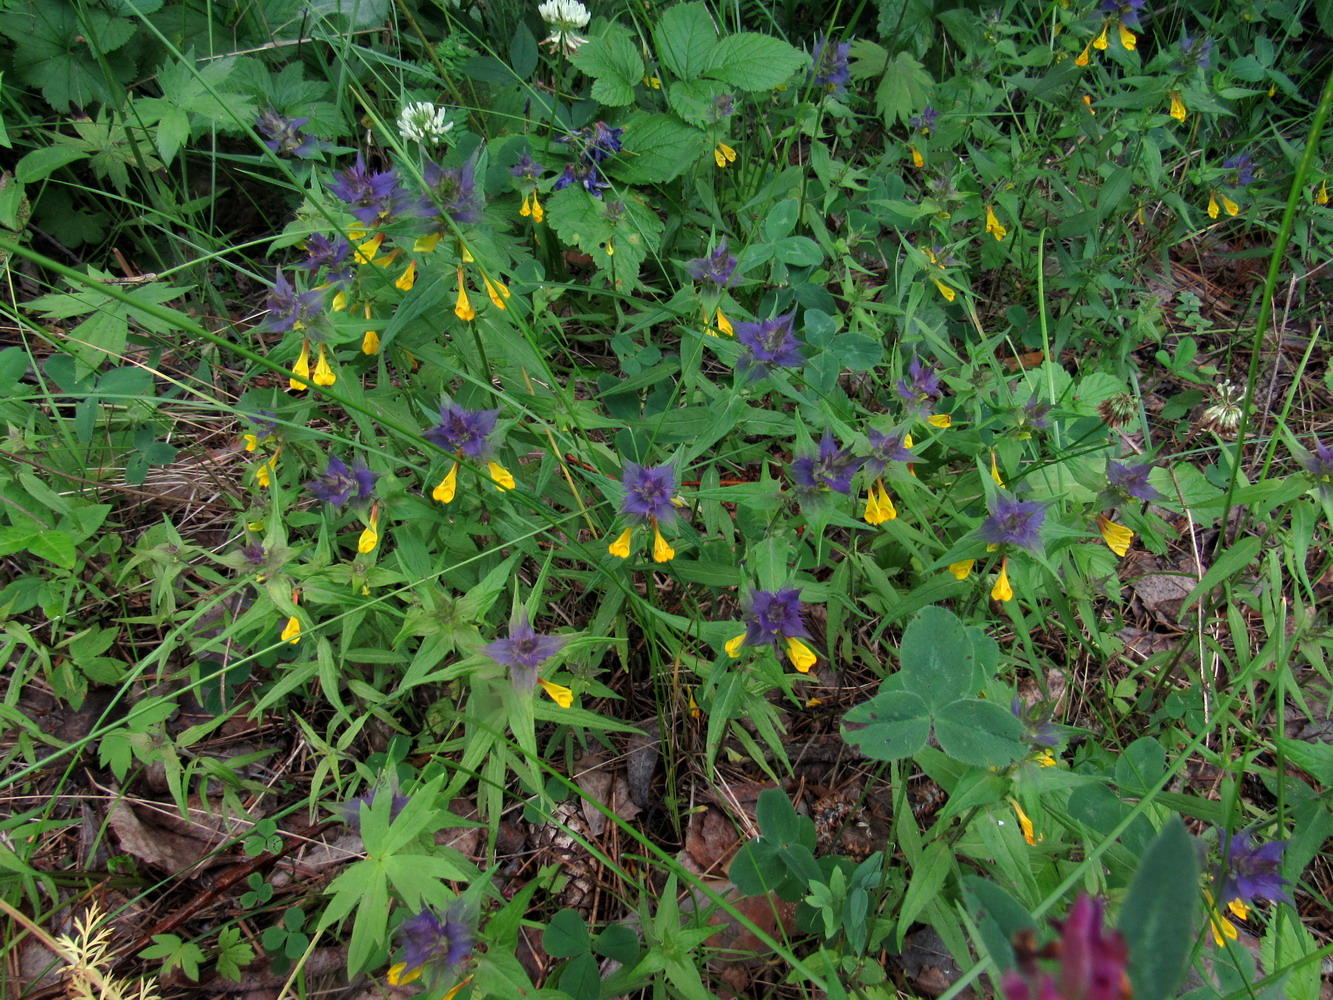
(695,100)
(685,39)
(614,63)
(890,726)
(750,61)
(980,733)
(656,149)
(903,89)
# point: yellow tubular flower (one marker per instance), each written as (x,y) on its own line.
(962,568)
(264,472)
(1177,106)
(465,254)
(873,514)
(995,471)
(886,506)
(1231,207)
(367,542)
(463,308)
(400,975)
(1322,197)
(993,224)
(560,694)
(1087,103)
(941,420)
(918,160)
(292,632)
(662,550)
(501,476)
(340,302)
(537,212)
(620,548)
(1222,928)
(1127,38)
(302,368)
(1084,57)
(1116,536)
(724,154)
(948,293)
(1046,759)
(370,343)
(323,373)
(425,244)
(1100,42)
(733,646)
(498,291)
(610,250)
(408,278)
(526,208)
(802,656)
(724,324)
(1002,591)
(1024,823)
(251,441)
(448,487)
(365,252)
(1212,205)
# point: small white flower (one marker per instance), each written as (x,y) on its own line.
(423,122)
(566,18)
(1223,417)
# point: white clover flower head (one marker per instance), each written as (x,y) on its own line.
(423,122)
(1224,415)
(566,18)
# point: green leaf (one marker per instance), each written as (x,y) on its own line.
(1159,915)
(890,726)
(928,876)
(750,61)
(904,87)
(685,39)
(656,149)
(980,733)
(998,917)
(1234,559)
(614,63)
(566,935)
(937,657)
(695,100)
(581,979)
(1141,766)
(1286,942)
(54,546)
(42,163)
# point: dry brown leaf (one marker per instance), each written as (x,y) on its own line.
(155,845)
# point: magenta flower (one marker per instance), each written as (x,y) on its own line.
(1093,962)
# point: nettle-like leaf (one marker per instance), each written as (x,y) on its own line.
(944,663)
(656,149)
(685,40)
(614,63)
(751,61)
(194,92)
(56,50)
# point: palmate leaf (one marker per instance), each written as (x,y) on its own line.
(614,63)
(57,52)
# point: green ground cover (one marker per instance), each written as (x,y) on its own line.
(673,500)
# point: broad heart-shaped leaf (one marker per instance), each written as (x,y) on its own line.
(750,61)
(685,39)
(1159,913)
(979,732)
(656,149)
(566,935)
(890,726)
(614,63)
(938,660)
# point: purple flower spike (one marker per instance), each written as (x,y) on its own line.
(372,197)
(774,615)
(718,267)
(323,253)
(1093,962)
(426,940)
(1251,872)
(1243,165)
(769,344)
(351,811)
(829,69)
(1014,522)
(527,169)
(340,484)
(452,192)
(926,121)
(886,448)
(1318,464)
(289,309)
(921,386)
(832,469)
(1131,481)
(283,135)
(650,492)
(463,431)
(525,649)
